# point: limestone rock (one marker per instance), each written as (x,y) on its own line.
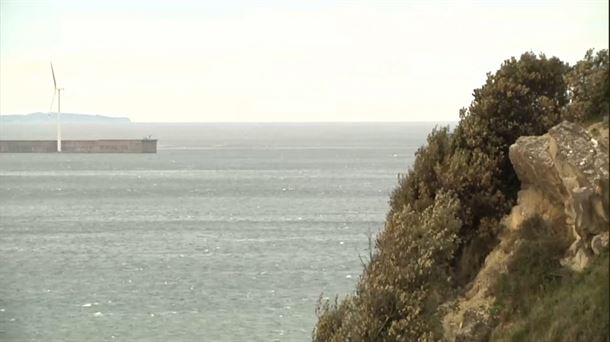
(599,243)
(569,166)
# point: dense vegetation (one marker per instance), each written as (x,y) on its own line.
(445,214)
(589,87)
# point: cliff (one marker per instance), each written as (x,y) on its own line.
(564,201)
(499,229)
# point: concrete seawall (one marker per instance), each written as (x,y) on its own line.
(79,146)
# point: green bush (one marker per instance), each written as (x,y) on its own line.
(589,85)
(423,180)
(524,97)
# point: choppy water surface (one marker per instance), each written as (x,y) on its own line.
(229,233)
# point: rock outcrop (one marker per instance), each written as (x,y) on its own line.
(564,180)
(568,166)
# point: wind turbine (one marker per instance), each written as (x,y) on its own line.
(57,92)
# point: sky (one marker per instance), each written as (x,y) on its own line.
(276,61)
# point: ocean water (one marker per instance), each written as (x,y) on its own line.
(231,232)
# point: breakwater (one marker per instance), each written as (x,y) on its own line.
(80,146)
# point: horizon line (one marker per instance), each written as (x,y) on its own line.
(240,122)
(228,122)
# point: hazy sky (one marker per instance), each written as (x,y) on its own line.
(276,60)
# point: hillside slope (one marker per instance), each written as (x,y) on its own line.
(495,219)
(558,227)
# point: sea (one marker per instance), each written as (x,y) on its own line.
(231,232)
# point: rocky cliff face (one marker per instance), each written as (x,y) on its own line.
(565,182)
(568,166)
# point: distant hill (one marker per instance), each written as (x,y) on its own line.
(41,118)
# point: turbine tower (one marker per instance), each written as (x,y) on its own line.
(57,92)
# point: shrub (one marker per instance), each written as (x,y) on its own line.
(422,182)
(524,97)
(331,318)
(589,85)
(405,281)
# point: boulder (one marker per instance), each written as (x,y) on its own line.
(569,166)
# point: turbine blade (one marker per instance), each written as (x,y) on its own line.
(53,72)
